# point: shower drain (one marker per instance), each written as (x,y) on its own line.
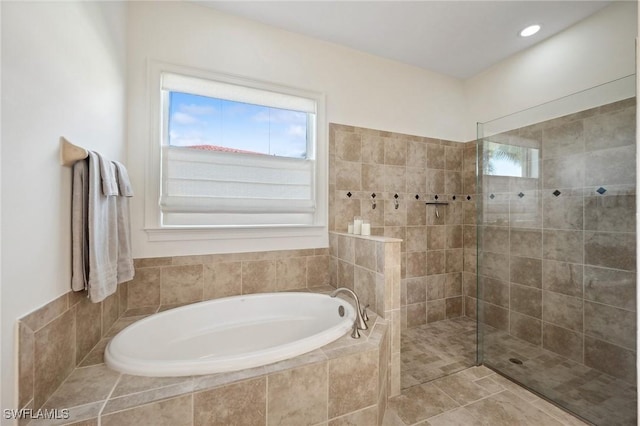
(515,361)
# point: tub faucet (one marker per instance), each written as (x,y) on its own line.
(360,322)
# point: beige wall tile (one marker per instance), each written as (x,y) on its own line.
(372,177)
(614,360)
(181,284)
(55,355)
(317,271)
(348,176)
(453,284)
(395,151)
(88,327)
(372,149)
(526,300)
(347,146)
(416,290)
(610,250)
(258,277)
(291,273)
(242,404)
(144,289)
(563,140)
(110,312)
(345,274)
(436,156)
(365,286)
(615,129)
(453,307)
(39,318)
(611,287)
(562,310)
(353,383)
(416,314)
(436,262)
(526,328)
(614,325)
(436,310)
(562,277)
(222,279)
(346,248)
(150,262)
(495,316)
(26,365)
(526,271)
(365,253)
(610,213)
(563,342)
(614,166)
(298,396)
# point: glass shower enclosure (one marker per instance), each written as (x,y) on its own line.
(556,289)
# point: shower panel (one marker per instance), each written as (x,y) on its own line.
(557,251)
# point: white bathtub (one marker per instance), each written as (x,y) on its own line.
(228,334)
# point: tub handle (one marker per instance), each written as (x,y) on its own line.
(364,313)
(356,332)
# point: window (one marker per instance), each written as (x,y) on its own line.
(233,164)
(235,155)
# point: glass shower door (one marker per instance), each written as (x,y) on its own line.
(557,251)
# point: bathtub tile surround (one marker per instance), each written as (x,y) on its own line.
(55,339)
(174,281)
(366,161)
(558,263)
(341,383)
(370,266)
(70,331)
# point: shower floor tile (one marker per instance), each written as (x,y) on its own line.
(440,354)
(597,396)
(473,396)
(437,349)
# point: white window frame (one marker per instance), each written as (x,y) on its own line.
(233,238)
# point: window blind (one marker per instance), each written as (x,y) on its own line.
(211,182)
(238,93)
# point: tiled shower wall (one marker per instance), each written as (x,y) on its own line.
(558,263)
(363,162)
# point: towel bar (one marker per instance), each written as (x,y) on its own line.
(70,153)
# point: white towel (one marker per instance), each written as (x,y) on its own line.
(126,270)
(96,231)
(107,176)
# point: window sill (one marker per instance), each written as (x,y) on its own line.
(187,233)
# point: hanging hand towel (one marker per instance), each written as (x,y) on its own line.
(126,270)
(97,232)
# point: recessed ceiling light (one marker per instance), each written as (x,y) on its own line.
(530,30)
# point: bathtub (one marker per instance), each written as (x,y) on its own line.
(229,334)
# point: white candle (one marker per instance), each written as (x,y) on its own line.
(357,225)
(366,228)
(350,228)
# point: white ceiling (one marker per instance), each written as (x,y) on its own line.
(456,38)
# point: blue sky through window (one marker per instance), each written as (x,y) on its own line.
(199,120)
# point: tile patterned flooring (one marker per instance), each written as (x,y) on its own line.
(440,386)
